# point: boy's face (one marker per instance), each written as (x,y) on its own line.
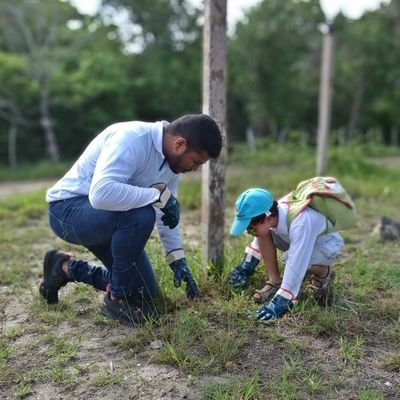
(261,227)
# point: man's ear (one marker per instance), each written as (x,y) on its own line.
(180,145)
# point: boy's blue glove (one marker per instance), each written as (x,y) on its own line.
(275,309)
(241,274)
(182,273)
(168,204)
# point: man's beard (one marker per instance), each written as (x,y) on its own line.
(174,163)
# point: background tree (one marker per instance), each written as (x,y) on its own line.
(368,76)
(274,60)
(32,28)
(74,77)
(16,93)
(65,76)
(165,67)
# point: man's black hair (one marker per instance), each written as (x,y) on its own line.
(200,131)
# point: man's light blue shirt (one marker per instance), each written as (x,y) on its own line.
(117,169)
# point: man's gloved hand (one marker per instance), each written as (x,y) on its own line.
(168,204)
(171,212)
(241,274)
(275,309)
(182,273)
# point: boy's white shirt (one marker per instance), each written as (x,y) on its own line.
(301,239)
(116,171)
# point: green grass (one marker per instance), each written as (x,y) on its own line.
(243,389)
(217,350)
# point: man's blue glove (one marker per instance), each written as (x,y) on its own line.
(182,273)
(241,274)
(168,204)
(275,309)
(171,212)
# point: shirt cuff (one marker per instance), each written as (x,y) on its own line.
(164,197)
(174,255)
(253,252)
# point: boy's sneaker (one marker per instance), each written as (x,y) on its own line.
(122,310)
(54,278)
(320,286)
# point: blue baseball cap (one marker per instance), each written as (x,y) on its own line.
(250,204)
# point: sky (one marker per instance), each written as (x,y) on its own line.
(236,8)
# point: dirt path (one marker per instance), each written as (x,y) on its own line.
(391,162)
(12,188)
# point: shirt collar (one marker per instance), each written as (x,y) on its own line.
(282,216)
(157,135)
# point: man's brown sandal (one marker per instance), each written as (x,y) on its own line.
(267,292)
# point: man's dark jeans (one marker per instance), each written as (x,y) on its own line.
(116,238)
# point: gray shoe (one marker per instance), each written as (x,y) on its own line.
(123,311)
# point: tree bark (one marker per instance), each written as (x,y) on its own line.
(356,108)
(39,68)
(251,139)
(325,98)
(47,124)
(214,104)
(12,145)
(394,137)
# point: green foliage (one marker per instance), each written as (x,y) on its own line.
(273,66)
(95,73)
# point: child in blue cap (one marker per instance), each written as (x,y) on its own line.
(306,247)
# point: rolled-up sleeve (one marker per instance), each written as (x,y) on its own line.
(109,189)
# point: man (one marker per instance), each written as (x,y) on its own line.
(123,184)
(306,247)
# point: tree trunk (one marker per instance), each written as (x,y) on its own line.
(46,123)
(355,109)
(394,137)
(304,138)
(342,137)
(325,99)
(214,104)
(12,145)
(251,139)
(282,136)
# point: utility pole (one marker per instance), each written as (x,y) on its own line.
(214,104)
(325,100)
